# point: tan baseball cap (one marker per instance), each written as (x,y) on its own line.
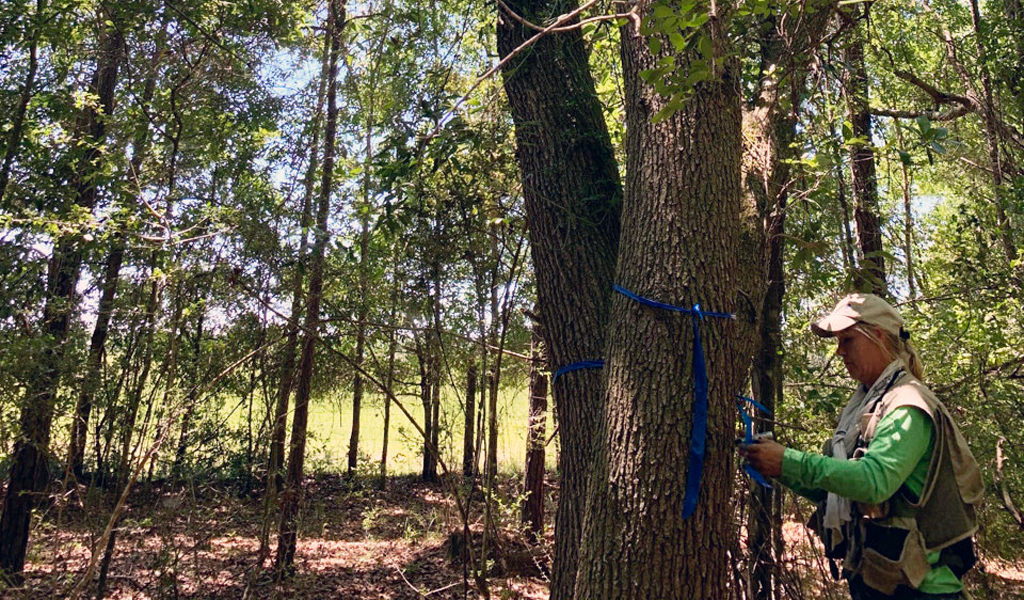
(859,308)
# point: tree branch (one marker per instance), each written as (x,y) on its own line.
(1015,363)
(1001,482)
(937,95)
(932,115)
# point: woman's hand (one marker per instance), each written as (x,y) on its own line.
(765,455)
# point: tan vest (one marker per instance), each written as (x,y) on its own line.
(890,542)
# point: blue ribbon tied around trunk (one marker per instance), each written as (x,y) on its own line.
(698,432)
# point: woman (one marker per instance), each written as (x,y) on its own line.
(896,486)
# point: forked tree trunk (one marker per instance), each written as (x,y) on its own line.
(533,484)
(287,537)
(681,216)
(573,201)
(28,469)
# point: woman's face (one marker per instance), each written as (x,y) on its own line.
(864,357)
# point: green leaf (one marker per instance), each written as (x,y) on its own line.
(698,73)
(905,157)
(924,124)
(847,131)
(705,47)
(654,44)
(678,41)
(662,12)
(938,148)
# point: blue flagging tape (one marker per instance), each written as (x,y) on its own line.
(576,366)
(748,434)
(698,435)
(655,304)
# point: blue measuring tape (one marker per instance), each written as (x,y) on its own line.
(748,434)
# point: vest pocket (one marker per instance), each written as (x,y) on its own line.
(893,555)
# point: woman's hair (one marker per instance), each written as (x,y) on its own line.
(895,346)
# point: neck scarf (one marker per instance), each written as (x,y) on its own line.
(844,442)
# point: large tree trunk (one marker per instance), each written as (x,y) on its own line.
(286,540)
(28,471)
(533,480)
(871,274)
(681,217)
(573,201)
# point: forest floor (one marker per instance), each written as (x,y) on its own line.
(354,542)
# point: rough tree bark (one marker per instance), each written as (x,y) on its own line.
(493,375)
(572,192)
(862,163)
(681,217)
(292,495)
(28,470)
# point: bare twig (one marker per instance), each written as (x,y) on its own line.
(411,586)
(508,10)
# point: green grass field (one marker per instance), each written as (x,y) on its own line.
(330,426)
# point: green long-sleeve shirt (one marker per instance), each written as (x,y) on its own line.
(899,454)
